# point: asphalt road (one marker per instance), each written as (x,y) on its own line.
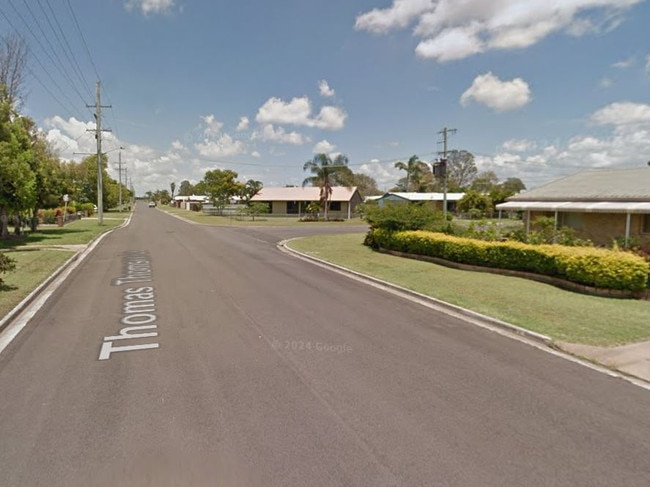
(219,361)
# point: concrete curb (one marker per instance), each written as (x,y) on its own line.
(77,258)
(537,340)
(449,308)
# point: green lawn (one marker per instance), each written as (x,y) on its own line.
(73,233)
(35,264)
(263,220)
(562,315)
(32,268)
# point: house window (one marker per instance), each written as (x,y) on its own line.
(335,205)
(572,220)
(646,223)
(292,207)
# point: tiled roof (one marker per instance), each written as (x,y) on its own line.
(603,185)
(307,193)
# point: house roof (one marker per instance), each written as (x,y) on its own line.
(603,185)
(578,206)
(424,196)
(307,193)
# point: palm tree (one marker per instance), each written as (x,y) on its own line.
(414,171)
(324,169)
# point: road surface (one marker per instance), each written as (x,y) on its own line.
(186,355)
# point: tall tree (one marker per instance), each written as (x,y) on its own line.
(186,188)
(461,169)
(485,181)
(220,185)
(13,64)
(415,172)
(172,186)
(17,179)
(324,170)
(250,189)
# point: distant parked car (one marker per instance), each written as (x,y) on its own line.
(152,204)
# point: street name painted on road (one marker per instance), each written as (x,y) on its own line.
(138,307)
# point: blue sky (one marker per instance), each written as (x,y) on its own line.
(536,89)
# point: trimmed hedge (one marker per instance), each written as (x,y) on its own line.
(601,268)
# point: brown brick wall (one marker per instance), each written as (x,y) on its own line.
(603,228)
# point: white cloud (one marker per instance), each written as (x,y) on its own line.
(212,125)
(150,6)
(323,147)
(224,146)
(606,83)
(622,114)
(496,94)
(178,145)
(625,63)
(276,110)
(325,89)
(243,124)
(270,133)
(454,29)
(330,118)
(518,145)
(451,44)
(256,154)
(399,15)
(298,112)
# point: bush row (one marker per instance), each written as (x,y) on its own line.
(601,268)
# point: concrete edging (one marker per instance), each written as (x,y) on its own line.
(452,308)
(79,256)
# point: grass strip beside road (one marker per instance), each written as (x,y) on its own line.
(562,315)
(32,268)
(247,221)
(36,260)
(78,232)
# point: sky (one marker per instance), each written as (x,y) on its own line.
(536,89)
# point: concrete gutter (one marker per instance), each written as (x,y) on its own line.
(539,341)
(81,253)
(451,309)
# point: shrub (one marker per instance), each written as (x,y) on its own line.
(600,268)
(403,216)
(7,264)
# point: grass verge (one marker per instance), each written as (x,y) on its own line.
(264,220)
(73,233)
(32,268)
(35,262)
(562,315)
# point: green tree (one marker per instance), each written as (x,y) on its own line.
(258,208)
(416,174)
(476,203)
(250,189)
(220,185)
(186,189)
(324,171)
(17,179)
(485,181)
(172,186)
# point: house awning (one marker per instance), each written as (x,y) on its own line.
(576,206)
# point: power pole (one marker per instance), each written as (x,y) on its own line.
(444,132)
(120,174)
(98,135)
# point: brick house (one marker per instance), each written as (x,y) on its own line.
(602,205)
(294,201)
